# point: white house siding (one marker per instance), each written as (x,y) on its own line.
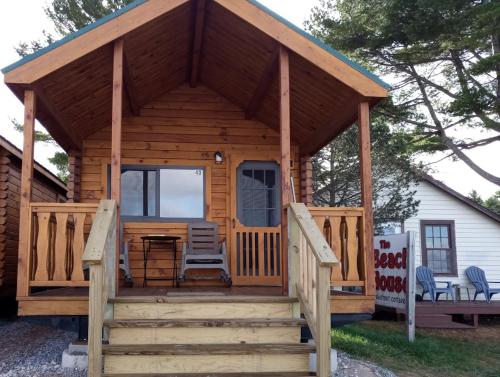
(477,236)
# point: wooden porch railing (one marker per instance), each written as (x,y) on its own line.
(343,229)
(57,243)
(258,256)
(310,263)
(100,254)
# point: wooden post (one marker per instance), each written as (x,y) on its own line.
(306,180)
(96,315)
(74,179)
(284,88)
(323,323)
(23,267)
(366,193)
(116,140)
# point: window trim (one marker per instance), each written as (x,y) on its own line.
(157,168)
(453,248)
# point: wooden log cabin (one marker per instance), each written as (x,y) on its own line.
(46,188)
(181,111)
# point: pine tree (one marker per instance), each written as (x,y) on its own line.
(444,57)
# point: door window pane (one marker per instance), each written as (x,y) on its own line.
(181,193)
(258,194)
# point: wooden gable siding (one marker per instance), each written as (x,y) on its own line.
(44,190)
(183,127)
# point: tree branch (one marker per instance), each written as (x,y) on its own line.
(449,142)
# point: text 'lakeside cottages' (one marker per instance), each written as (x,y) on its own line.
(191,116)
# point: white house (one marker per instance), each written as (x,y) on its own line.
(453,233)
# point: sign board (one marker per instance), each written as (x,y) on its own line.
(395,274)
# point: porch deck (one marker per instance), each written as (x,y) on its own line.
(453,315)
(74,300)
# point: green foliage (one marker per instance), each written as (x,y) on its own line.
(69,16)
(60,161)
(41,136)
(443,58)
(336,174)
(492,203)
(444,354)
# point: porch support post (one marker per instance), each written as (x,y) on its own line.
(116,140)
(366,193)
(306,188)
(284,90)
(23,268)
(74,179)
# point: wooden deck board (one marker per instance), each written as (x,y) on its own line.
(461,307)
(74,301)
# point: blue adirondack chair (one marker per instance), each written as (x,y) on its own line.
(478,280)
(425,278)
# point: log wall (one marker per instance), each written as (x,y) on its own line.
(44,190)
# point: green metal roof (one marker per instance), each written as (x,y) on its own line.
(137,3)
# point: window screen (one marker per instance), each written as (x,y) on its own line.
(258,194)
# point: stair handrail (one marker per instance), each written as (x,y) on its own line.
(310,262)
(100,256)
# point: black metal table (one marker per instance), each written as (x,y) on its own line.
(148,242)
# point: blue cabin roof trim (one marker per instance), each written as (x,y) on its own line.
(137,3)
(72,36)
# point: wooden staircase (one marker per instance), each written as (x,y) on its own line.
(205,336)
(210,335)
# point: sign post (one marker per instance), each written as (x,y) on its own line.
(395,275)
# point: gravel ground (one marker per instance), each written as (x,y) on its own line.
(31,350)
(349,367)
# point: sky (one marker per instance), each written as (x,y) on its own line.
(453,173)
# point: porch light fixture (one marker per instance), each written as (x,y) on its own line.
(219,157)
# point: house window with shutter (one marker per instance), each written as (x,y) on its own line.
(438,246)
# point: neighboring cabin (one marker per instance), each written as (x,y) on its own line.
(46,188)
(453,233)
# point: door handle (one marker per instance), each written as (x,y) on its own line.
(234,223)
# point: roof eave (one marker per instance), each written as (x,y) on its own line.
(107,29)
(440,185)
(38,65)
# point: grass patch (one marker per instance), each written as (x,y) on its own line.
(432,354)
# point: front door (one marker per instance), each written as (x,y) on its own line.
(255,223)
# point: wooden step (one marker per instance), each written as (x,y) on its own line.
(203,299)
(262,374)
(239,322)
(207,358)
(222,331)
(207,349)
(202,310)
